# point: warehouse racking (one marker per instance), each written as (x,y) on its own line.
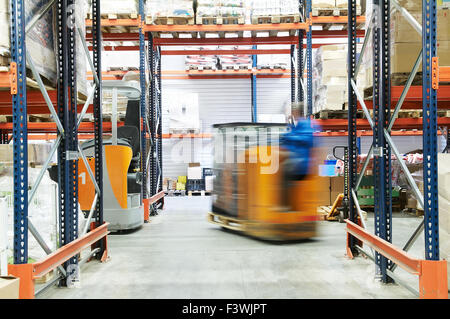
(431,271)
(67,123)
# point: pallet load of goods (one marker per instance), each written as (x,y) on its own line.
(170,12)
(201,62)
(41,44)
(332,8)
(118,9)
(219,62)
(330,85)
(220,12)
(406,44)
(275,11)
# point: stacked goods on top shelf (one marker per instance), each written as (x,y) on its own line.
(220,12)
(170,12)
(41,44)
(406,43)
(39,40)
(116,9)
(330,85)
(201,62)
(219,62)
(275,11)
(333,7)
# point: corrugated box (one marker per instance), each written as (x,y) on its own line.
(402,31)
(9,287)
(403,55)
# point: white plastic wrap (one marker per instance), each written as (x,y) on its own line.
(169,8)
(274,7)
(39,40)
(221,8)
(42,211)
(120,7)
(183,111)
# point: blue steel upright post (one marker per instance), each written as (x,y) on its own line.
(254,92)
(98,120)
(381,117)
(293,93)
(143,104)
(430,174)
(352,111)
(20,138)
(67,113)
(159,130)
(309,61)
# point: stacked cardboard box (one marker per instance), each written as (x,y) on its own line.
(406,42)
(330,85)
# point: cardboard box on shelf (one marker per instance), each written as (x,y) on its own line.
(9,287)
(403,55)
(402,31)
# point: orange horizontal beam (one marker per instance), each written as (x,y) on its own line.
(337,19)
(398,256)
(226,27)
(226,41)
(67,251)
(156,197)
(246,27)
(225,52)
(116,22)
(134,36)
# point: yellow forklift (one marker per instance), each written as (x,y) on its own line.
(266,183)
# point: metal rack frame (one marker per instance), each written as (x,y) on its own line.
(386,260)
(66,146)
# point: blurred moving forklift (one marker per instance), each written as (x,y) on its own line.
(122,180)
(266,183)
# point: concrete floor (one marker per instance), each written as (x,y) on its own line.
(180,255)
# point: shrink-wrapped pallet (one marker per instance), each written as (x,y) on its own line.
(39,40)
(219,9)
(157,9)
(201,62)
(265,8)
(125,8)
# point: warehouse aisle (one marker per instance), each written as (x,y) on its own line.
(180,255)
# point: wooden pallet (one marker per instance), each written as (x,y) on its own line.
(170,20)
(335,114)
(200,67)
(291,18)
(172,193)
(220,20)
(238,67)
(115,16)
(198,193)
(332,11)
